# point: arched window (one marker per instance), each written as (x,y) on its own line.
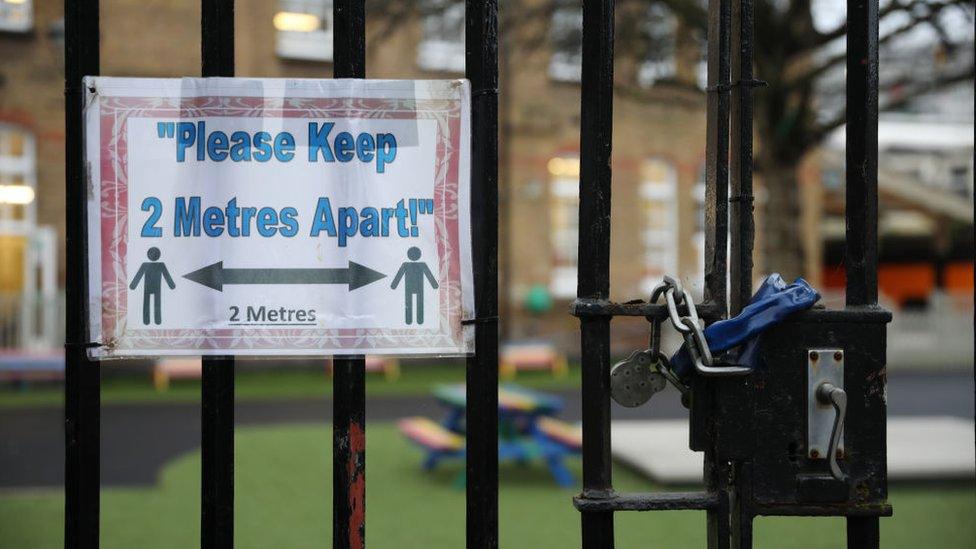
(304,29)
(563,224)
(658,195)
(442,48)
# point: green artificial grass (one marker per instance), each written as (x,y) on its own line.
(415,379)
(283,499)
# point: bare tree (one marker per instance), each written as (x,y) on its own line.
(801,61)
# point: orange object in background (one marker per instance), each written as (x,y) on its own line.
(957,277)
(904,282)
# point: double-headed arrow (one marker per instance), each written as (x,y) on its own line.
(215,276)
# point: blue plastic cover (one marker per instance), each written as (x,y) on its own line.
(772,302)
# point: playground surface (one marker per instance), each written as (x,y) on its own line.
(283,498)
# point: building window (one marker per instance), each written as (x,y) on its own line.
(701,67)
(17,212)
(17,177)
(660,27)
(695,280)
(304,29)
(566,39)
(442,48)
(960,180)
(659,214)
(564,224)
(16,15)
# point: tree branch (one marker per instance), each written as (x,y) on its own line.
(895,6)
(915,90)
(931,17)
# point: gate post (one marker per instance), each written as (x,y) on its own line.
(481,462)
(349,378)
(82,398)
(594,263)
(217,387)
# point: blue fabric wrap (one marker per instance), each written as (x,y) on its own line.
(772,302)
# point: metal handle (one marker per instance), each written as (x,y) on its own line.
(828,393)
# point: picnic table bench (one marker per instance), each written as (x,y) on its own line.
(527,430)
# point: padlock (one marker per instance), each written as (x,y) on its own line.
(634,381)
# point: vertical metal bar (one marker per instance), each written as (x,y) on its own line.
(349,372)
(596,136)
(716,230)
(217,414)
(861,255)
(742,511)
(717,152)
(741,202)
(349,453)
(82,385)
(863,533)
(481,68)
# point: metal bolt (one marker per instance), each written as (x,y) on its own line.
(814,355)
(838,356)
(814,454)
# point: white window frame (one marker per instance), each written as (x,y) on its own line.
(662,24)
(315,45)
(660,245)
(16,16)
(564,65)
(441,50)
(564,193)
(15,171)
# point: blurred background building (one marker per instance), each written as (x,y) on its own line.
(926,166)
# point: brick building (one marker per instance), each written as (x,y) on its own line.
(658,144)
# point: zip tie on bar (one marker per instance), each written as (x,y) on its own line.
(725,88)
(485,91)
(479,320)
(742,198)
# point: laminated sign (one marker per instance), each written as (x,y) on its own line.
(266,217)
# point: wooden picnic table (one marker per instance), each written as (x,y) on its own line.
(526,429)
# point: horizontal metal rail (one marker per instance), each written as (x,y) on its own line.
(653,311)
(640,501)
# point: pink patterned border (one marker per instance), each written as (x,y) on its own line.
(113,198)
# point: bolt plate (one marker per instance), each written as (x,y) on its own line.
(822,365)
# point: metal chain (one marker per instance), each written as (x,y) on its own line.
(690,328)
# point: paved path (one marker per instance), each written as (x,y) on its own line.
(138,439)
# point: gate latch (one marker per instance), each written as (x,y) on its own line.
(826,407)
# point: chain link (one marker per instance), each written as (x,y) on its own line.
(690,328)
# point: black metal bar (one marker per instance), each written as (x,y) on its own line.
(655,501)
(601,307)
(719,517)
(742,509)
(349,453)
(349,373)
(861,255)
(716,473)
(217,391)
(741,202)
(863,533)
(825,510)
(596,136)
(82,398)
(481,468)
(717,152)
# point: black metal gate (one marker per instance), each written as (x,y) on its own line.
(82,387)
(753,465)
(733,458)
